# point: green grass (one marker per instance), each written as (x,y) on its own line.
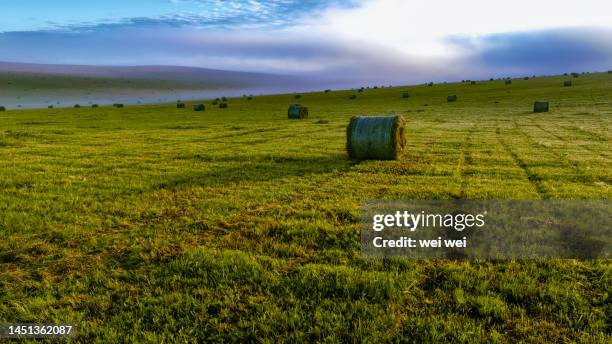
(153,223)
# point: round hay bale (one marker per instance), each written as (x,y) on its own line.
(2,108)
(540,106)
(322,121)
(118,105)
(94,105)
(298,96)
(222,105)
(50,107)
(199,107)
(473,82)
(76,106)
(567,83)
(375,137)
(180,105)
(297,111)
(508,82)
(360,90)
(327,91)
(353,96)
(430,84)
(451,98)
(249,98)
(405,94)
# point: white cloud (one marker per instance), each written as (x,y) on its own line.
(419,27)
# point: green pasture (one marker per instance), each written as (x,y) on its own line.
(158,224)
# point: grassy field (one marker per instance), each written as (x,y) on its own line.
(153,223)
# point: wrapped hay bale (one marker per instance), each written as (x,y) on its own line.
(297,111)
(405,94)
(375,137)
(199,107)
(222,105)
(451,98)
(567,83)
(180,105)
(540,106)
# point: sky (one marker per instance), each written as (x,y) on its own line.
(377,41)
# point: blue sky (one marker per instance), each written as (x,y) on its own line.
(361,40)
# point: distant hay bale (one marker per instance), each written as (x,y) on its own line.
(575,75)
(610,72)
(473,82)
(405,94)
(2,108)
(94,105)
(297,111)
(375,137)
(567,83)
(222,105)
(118,105)
(249,98)
(508,82)
(76,106)
(298,96)
(430,84)
(327,91)
(180,105)
(360,90)
(540,106)
(451,98)
(50,107)
(353,96)
(526,78)
(322,121)
(199,107)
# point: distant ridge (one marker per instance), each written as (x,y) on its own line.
(167,73)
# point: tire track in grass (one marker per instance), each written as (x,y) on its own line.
(465,160)
(533,178)
(578,170)
(571,129)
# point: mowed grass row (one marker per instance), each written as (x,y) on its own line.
(153,223)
